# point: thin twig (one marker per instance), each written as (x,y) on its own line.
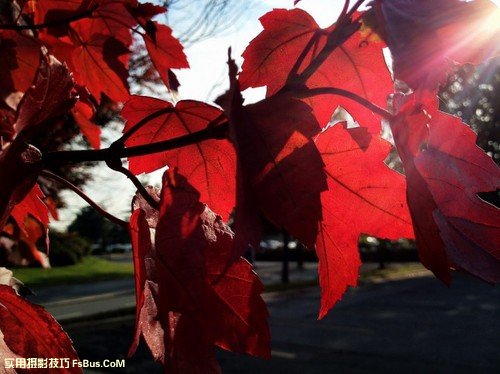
(350,95)
(344,10)
(48,174)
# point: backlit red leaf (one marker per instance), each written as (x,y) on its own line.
(445,170)
(92,132)
(165,51)
(188,296)
(20,60)
(357,65)
(209,165)
(281,169)
(40,108)
(364,196)
(29,331)
(100,63)
(48,100)
(33,205)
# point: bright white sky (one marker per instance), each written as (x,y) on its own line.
(204,81)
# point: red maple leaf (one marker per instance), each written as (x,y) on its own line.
(165,51)
(49,99)
(195,306)
(33,205)
(209,165)
(29,331)
(364,196)
(83,113)
(100,62)
(20,60)
(445,170)
(280,169)
(289,44)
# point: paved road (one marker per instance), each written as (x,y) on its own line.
(413,325)
(70,302)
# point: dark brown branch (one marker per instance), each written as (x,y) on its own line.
(92,203)
(338,36)
(117,166)
(72,157)
(66,21)
(308,92)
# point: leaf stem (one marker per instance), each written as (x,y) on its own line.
(48,174)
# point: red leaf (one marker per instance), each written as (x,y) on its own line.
(201,300)
(32,204)
(48,100)
(82,114)
(19,167)
(426,37)
(147,323)
(143,12)
(364,196)
(20,60)
(41,106)
(55,12)
(193,248)
(445,169)
(209,165)
(165,51)
(281,169)
(29,331)
(358,65)
(100,63)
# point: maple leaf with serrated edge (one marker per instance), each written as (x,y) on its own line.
(209,165)
(165,51)
(100,63)
(357,65)
(445,171)
(83,113)
(279,167)
(30,331)
(45,103)
(364,196)
(195,306)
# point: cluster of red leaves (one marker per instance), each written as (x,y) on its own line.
(324,184)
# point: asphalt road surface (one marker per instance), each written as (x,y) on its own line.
(413,325)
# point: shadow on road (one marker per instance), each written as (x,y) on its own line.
(413,325)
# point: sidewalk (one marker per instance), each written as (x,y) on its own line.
(71,303)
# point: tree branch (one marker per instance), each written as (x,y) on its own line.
(66,21)
(72,157)
(92,203)
(117,166)
(308,92)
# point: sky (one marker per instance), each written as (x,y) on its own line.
(204,81)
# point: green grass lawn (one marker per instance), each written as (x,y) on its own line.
(89,270)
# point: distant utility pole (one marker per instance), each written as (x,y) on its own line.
(285,273)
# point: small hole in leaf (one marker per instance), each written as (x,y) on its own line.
(492,197)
